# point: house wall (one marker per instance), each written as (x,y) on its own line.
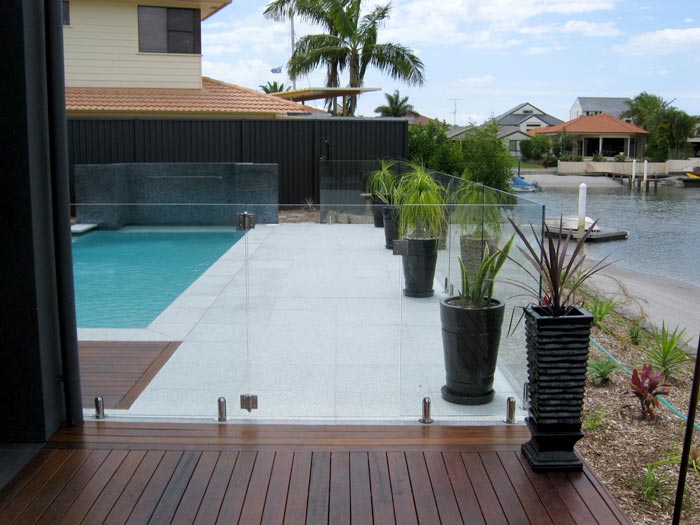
(102,49)
(576,110)
(524,127)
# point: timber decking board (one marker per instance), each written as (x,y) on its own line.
(120,371)
(417,475)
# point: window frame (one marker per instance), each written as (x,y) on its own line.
(65,8)
(167,42)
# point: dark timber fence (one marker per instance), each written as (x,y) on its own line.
(297,146)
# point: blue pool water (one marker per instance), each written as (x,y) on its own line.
(126,278)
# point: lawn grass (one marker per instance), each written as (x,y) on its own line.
(523,164)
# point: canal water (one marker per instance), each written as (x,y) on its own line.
(663,226)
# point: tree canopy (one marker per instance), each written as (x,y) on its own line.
(396,106)
(350,44)
(668,127)
(273,87)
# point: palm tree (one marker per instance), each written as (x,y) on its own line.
(352,45)
(311,11)
(396,106)
(274,87)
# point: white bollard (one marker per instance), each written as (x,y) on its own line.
(646,175)
(582,190)
(634,170)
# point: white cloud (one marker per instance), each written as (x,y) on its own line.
(580,27)
(542,50)
(661,42)
(689,20)
(476,81)
(247,72)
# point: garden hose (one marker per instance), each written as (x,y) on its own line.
(629,372)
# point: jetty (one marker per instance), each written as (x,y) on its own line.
(569,226)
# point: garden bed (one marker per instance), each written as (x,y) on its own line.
(638,458)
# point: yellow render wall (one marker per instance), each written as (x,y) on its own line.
(102,49)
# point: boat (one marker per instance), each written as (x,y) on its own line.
(569,222)
(692,175)
(521,185)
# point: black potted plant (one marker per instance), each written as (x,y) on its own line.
(381,184)
(557,334)
(471,332)
(422,220)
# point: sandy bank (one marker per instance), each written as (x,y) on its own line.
(659,298)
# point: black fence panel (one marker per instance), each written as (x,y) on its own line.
(296,145)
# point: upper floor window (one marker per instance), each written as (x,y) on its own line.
(169,30)
(66,13)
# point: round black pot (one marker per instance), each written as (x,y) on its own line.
(378,215)
(419,267)
(470,340)
(557,358)
(391,226)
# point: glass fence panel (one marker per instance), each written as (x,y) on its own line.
(161,307)
(464,378)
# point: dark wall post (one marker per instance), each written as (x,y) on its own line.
(32,334)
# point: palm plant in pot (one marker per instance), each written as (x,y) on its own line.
(478,213)
(471,332)
(422,220)
(382,184)
(557,334)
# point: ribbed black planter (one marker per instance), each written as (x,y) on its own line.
(378,215)
(419,262)
(470,341)
(557,357)
(391,226)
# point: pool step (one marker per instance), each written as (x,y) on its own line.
(79,229)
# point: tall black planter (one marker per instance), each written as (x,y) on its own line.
(557,356)
(470,340)
(391,226)
(419,260)
(378,215)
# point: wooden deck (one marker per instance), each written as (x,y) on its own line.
(110,472)
(119,371)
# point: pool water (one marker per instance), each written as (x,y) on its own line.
(126,278)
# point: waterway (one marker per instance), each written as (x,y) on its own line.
(663,226)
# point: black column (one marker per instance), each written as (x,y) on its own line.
(32,226)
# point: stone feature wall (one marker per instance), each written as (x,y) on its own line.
(182,194)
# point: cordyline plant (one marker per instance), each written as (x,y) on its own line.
(647,388)
(562,275)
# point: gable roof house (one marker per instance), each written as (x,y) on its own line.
(514,124)
(127,59)
(586,106)
(602,133)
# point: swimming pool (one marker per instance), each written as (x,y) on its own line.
(126,278)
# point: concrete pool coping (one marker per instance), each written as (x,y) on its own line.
(332,339)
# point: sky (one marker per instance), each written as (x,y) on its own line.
(484,57)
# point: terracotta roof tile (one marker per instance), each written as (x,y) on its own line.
(215,98)
(601,123)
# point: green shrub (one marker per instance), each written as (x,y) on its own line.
(549,161)
(594,419)
(535,148)
(666,350)
(600,309)
(601,369)
(620,157)
(598,157)
(634,331)
(654,488)
(578,158)
(486,158)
